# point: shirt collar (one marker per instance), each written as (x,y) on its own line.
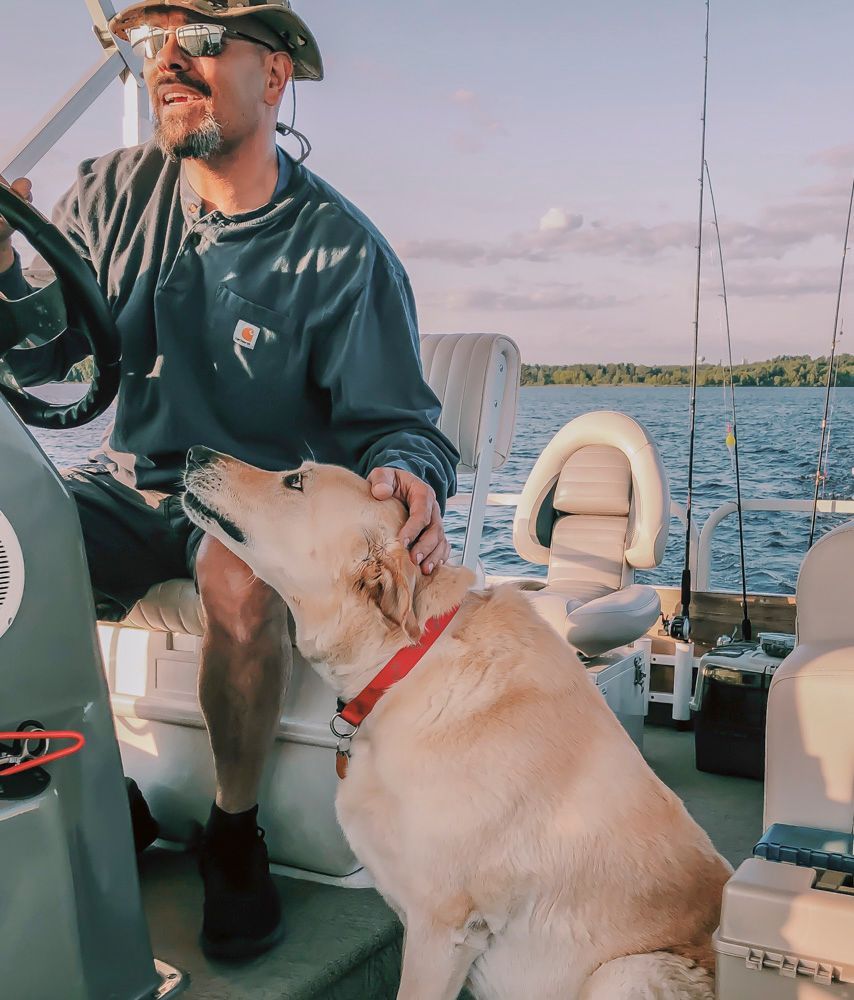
(191,203)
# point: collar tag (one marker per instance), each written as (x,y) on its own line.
(246,334)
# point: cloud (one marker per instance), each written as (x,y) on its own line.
(556,218)
(836,158)
(480,125)
(816,212)
(776,283)
(557,233)
(544,297)
(467,253)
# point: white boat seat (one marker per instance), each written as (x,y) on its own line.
(809,759)
(171,606)
(596,507)
(458,367)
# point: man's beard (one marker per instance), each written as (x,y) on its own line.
(175,142)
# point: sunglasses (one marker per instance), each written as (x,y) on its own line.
(195,40)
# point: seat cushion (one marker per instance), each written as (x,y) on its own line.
(586,550)
(603,623)
(172,606)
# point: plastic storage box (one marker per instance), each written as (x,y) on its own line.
(786,933)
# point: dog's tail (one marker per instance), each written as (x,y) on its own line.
(658,975)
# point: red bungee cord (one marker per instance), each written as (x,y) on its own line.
(37,736)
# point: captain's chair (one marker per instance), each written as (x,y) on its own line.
(809,745)
(595,508)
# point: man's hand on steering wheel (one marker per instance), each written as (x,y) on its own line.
(88,313)
(24,188)
(423,533)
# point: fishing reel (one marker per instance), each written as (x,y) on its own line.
(677,627)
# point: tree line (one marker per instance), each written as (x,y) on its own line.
(785,370)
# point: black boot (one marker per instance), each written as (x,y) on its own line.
(144,825)
(243,914)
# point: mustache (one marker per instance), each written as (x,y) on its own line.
(183,80)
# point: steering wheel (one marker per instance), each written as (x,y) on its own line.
(88,312)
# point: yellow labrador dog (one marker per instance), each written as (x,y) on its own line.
(504,813)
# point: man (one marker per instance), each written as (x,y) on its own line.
(261,315)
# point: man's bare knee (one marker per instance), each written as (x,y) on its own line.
(238,607)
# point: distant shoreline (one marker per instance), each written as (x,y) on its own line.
(668,385)
(785,372)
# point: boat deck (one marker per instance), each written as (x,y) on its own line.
(344,944)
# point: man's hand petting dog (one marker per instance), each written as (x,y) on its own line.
(423,533)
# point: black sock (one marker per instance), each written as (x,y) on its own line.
(223,824)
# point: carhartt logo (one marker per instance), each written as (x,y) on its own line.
(246,334)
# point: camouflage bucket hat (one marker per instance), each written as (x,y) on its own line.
(276,15)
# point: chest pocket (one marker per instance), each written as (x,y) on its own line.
(245,325)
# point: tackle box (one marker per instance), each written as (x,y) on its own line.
(787,919)
(801,845)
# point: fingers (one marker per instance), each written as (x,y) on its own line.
(382,483)
(423,533)
(432,546)
(421,501)
(23,187)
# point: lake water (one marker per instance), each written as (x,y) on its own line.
(779,432)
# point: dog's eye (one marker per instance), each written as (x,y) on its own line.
(294,481)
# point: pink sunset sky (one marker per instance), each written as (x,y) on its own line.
(535,166)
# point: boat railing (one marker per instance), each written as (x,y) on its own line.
(710,526)
(701,540)
(117,60)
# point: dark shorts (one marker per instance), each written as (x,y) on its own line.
(130,545)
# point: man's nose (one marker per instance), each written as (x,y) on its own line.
(171,56)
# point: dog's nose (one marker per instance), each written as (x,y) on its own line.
(199,456)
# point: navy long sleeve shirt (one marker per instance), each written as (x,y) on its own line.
(282,334)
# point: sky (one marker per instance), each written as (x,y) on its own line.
(536,166)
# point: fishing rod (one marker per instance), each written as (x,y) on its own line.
(746,626)
(830,372)
(824,472)
(679,626)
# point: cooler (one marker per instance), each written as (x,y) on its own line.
(729,707)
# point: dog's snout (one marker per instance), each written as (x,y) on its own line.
(199,456)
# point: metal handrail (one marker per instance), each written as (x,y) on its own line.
(701,541)
(117,60)
(704,554)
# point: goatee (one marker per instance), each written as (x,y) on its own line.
(201,143)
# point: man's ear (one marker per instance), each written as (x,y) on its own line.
(387,578)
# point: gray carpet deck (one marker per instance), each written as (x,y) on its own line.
(344,944)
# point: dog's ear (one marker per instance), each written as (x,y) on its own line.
(387,578)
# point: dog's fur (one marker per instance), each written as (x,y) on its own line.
(502,809)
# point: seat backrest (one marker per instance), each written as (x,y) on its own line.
(596,505)
(464,370)
(592,500)
(824,588)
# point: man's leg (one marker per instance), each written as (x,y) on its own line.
(131,543)
(245,664)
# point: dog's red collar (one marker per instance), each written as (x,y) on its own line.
(354,713)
